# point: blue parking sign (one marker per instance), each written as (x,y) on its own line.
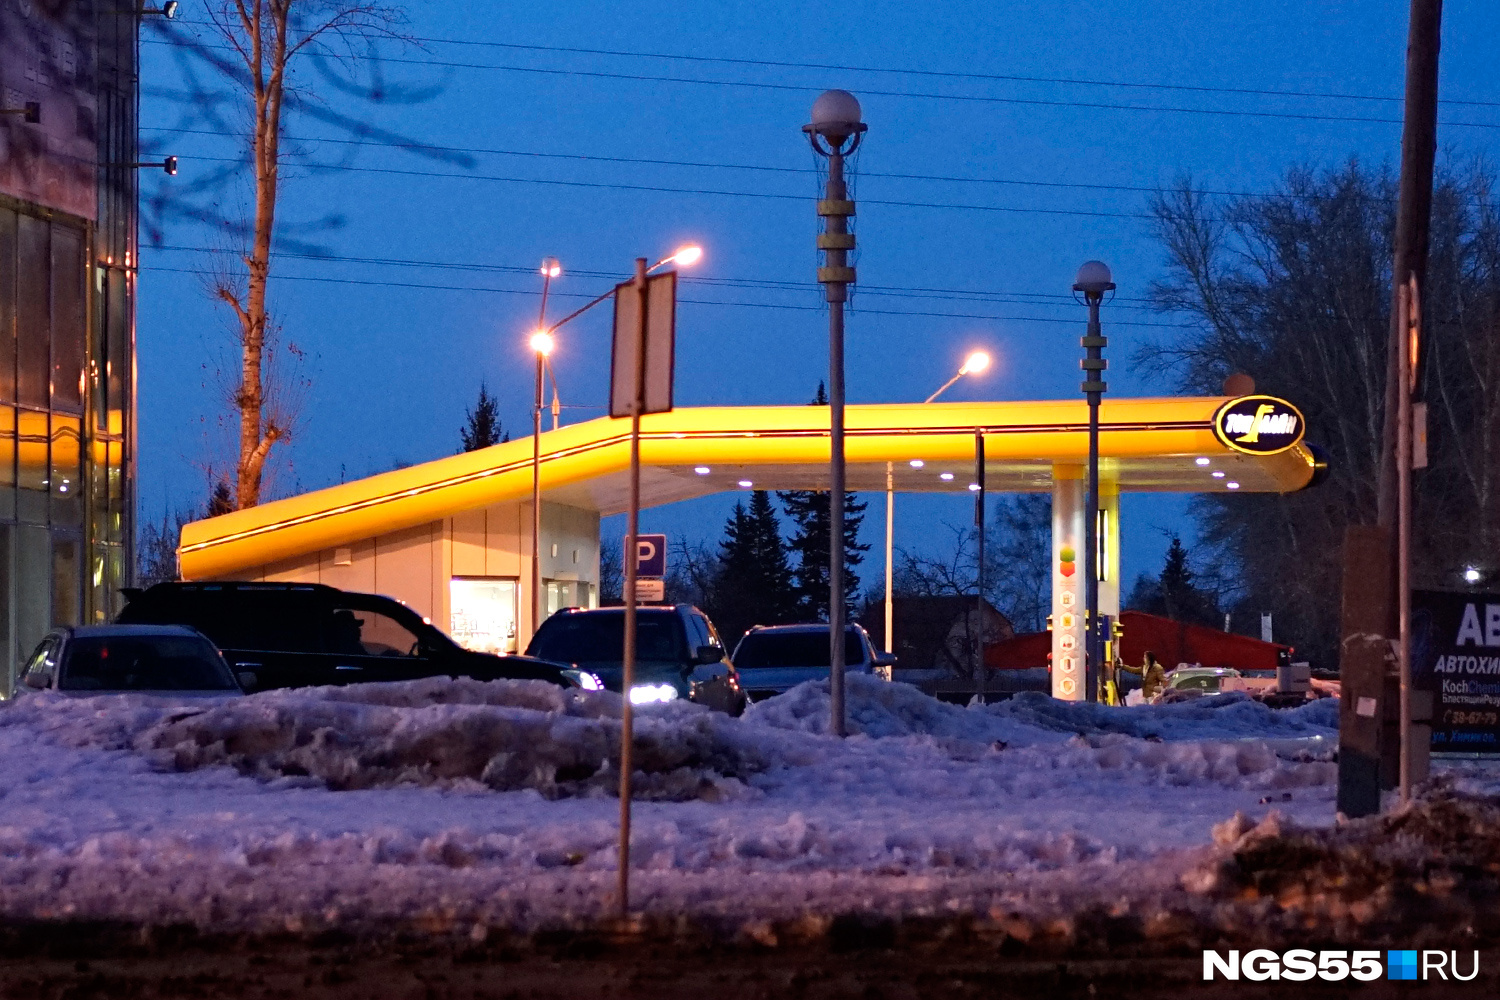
(651,555)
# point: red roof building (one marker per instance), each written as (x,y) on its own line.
(1173,643)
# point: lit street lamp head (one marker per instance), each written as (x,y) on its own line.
(683,257)
(975,363)
(551,268)
(1093,280)
(542,343)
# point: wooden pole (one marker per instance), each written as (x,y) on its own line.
(1413,218)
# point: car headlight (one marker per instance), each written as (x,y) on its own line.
(584,680)
(647,694)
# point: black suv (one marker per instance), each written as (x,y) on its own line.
(678,653)
(307,634)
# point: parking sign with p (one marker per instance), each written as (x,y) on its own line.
(650,556)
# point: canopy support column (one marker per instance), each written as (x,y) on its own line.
(1069,501)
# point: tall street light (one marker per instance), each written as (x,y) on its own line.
(542,341)
(974,364)
(1092,282)
(542,344)
(835,133)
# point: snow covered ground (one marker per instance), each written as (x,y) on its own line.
(448,804)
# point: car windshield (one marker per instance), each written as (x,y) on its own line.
(794,649)
(600,638)
(143,663)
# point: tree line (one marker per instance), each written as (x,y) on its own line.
(760,573)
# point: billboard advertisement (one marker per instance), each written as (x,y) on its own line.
(47,56)
(1455,654)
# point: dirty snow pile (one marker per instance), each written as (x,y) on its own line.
(503,736)
(440,803)
(1426,874)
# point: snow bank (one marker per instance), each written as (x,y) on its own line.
(503,735)
(441,801)
(1234,715)
(512,735)
(882,710)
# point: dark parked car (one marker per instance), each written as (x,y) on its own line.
(109,659)
(678,653)
(776,658)
(306,634)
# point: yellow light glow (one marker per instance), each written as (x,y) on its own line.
(551,268)
(975,363)
(542,342)
(687,256)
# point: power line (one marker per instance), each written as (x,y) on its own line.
(865,91)
(715,192)
(701,302)
(938,74)
(765,168)
(897,291)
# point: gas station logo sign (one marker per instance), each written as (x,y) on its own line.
(1258,425)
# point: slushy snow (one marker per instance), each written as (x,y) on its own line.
(440,801)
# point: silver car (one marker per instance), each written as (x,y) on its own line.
(110,659)
(771,659)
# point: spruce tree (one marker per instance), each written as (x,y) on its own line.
(753,585)
(1174,593)
(483,423)
(220,499)
(810,513)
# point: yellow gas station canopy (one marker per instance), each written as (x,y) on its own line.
(1145,445)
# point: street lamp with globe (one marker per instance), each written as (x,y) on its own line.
(835,133)
(1092,282)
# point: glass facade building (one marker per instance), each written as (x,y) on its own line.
(68,253)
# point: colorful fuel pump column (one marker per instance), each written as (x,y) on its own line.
(1069,498)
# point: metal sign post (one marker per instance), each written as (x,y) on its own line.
(640,382)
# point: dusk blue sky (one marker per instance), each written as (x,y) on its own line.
(393,367)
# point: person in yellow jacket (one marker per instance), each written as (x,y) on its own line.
(1152,674)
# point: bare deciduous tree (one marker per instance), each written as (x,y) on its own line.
(267,36)
(1293,288)
(247,68)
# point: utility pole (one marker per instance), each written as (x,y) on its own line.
(1374,589)
(1408,279)
(1413,219)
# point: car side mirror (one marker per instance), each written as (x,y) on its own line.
(884,659)
(248,679)
(39,679)
(710,654)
